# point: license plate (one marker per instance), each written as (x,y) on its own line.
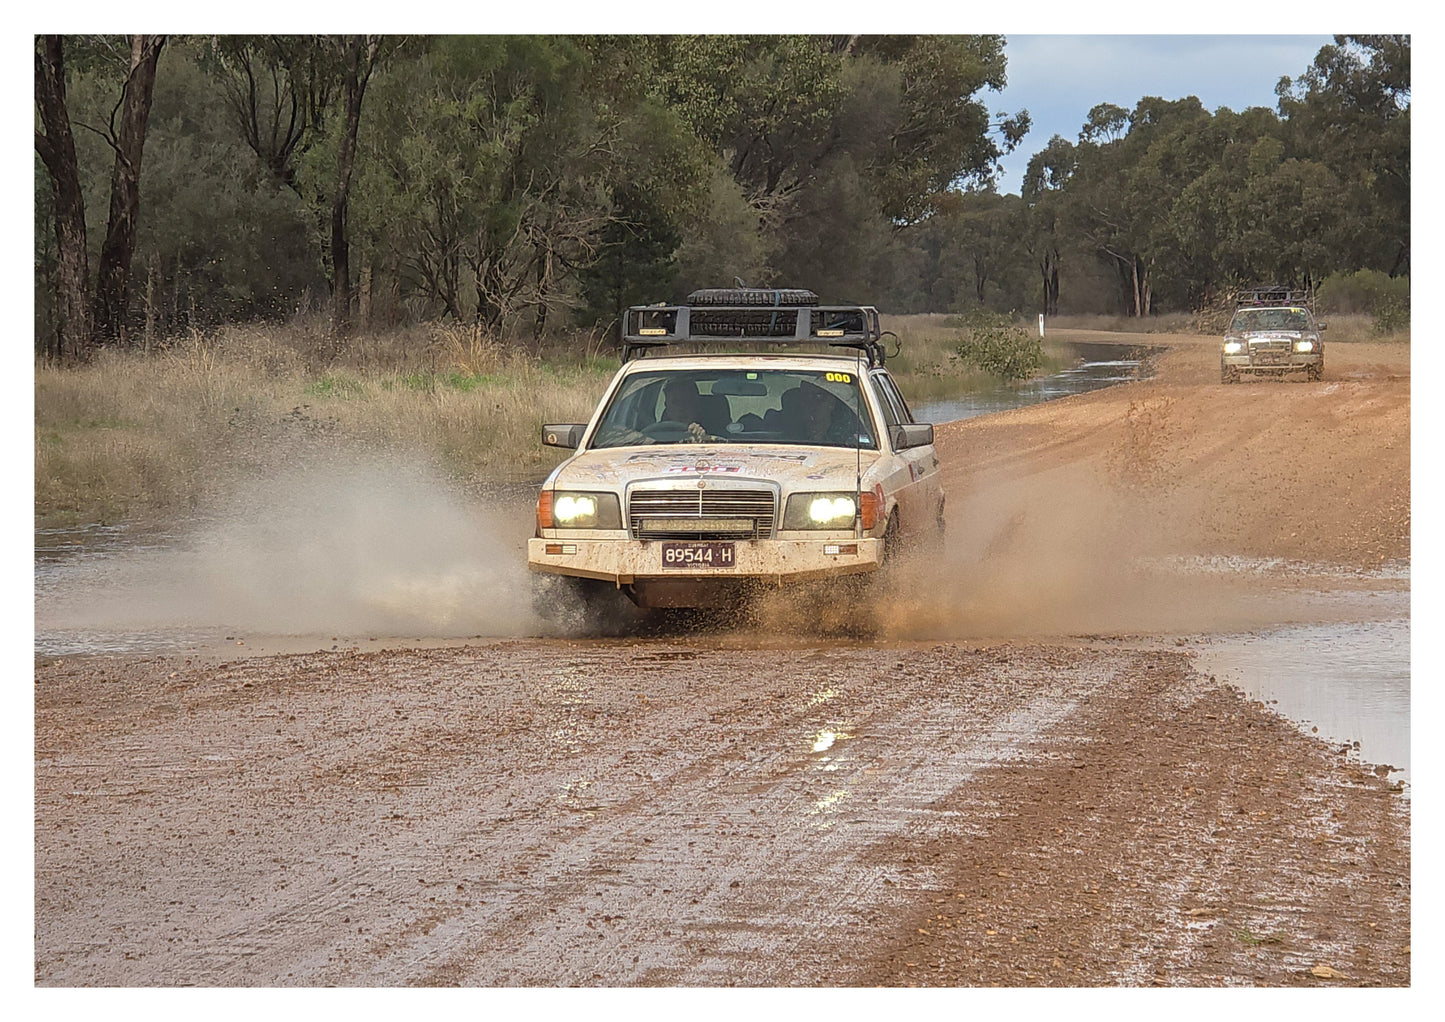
(697,555)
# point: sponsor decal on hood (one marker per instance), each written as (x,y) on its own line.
(753,462)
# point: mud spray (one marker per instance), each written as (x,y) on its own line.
(335,544)
(1066,551)
(355,545)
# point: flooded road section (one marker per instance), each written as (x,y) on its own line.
(1095,366)
(612,813)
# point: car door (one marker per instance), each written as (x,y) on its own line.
(917,482)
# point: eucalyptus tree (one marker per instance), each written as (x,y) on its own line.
(278,92)
(1047,174)
(839,141)
(1123,187)
(494,163)
(1350,111)
(55,145)
(129,63)
(224,238)
(126,134)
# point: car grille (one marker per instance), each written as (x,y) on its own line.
(715,513)
(1270,351)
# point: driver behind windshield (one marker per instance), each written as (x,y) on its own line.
(682,403)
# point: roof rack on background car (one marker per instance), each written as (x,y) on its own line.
(1274,294)
(747,317)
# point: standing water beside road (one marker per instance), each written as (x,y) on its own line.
(1347,682)
(1095,366)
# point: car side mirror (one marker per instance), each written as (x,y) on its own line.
(568,435)
(911,434)
(1323,327)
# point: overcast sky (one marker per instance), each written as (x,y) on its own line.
(1058,78)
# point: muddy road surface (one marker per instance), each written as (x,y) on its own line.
(1021,778)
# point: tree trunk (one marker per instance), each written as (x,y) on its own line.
(1049,275)
(544,281)
(113,282)
(490,313)
(363,301)
(56,147)
(1143,288)
(359,53)
(1051,286)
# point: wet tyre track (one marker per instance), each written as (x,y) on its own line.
(525,813)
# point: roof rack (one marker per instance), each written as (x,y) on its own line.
(645,327)
(1274,294)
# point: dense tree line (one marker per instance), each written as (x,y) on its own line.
(532,183)
(1167,205)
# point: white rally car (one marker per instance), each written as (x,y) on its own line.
(701,476)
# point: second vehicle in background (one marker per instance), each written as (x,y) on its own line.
(1273,332)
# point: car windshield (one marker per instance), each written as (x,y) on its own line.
(757,406)
(1269,319)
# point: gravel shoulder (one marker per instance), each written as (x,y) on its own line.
(1020,780)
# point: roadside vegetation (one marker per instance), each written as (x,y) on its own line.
(130,436)
(426,241)
(135,435)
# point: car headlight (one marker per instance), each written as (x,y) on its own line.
(1304,345)
(1233,347)
(573,510)
(820,511)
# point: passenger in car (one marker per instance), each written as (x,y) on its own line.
(817,417)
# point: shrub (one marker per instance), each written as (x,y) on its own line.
(1392,314)
(1368,291)
(998,346)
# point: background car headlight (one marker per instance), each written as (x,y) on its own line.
(821,511)
(1304,345)
(1233,347)
(574,510)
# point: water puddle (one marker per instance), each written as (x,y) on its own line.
(1097,366)
(1348,683)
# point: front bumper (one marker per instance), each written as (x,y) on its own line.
(1274,363)
(780,561)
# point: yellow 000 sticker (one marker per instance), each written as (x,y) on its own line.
(837,377)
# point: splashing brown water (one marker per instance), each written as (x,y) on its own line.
(340,545)
(370,544)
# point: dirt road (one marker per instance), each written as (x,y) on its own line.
(1023,781)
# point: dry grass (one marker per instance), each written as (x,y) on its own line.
(1349,327)
(1169,323)
(130,436)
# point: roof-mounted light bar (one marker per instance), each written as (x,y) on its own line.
(841,326)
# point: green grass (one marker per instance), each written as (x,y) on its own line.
(1246,936)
